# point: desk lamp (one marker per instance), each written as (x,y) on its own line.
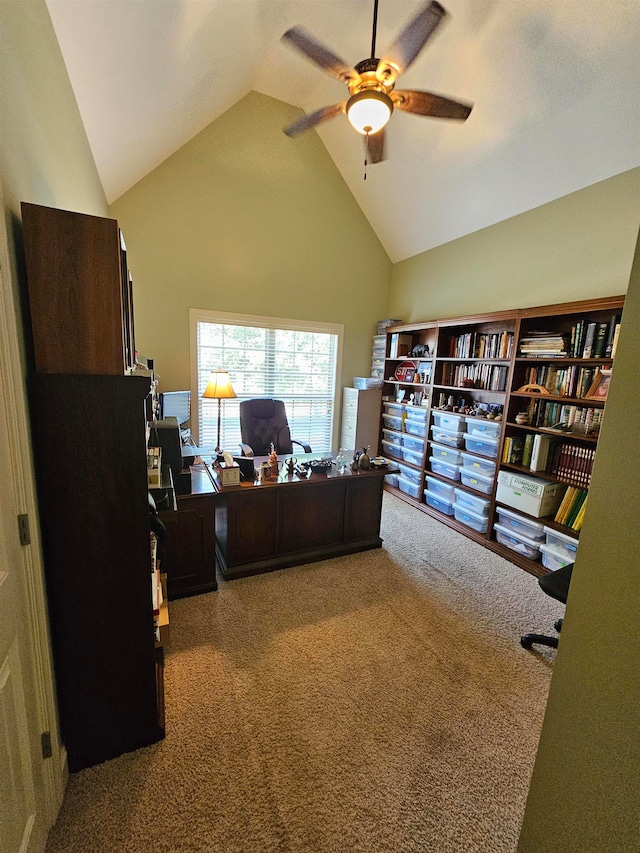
(219,388)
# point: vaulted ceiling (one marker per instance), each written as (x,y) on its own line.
(554,83)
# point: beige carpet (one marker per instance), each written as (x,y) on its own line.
(378,702)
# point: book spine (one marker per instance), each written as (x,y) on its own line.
(589,339)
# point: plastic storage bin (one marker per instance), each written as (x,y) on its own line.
(561,543)
(392,422)
(478,465)
(483,444)
(468,501)
(394,409)
(409,488)
(482,426)
(471,519)
(447,454)
(445,436)
(441,489)
(476,481)
(518,542)
(411,442)
(393,451)
(551,559)
(450,421)
(391,480)
(412,457)
(513,521)
(438,502)
(413,427)
(439,466)
(392,437)
(416,413)
(410,474)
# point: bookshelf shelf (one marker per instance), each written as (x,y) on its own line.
(492,345)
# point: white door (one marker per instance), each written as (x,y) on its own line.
(27,789)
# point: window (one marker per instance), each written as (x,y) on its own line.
(294,361)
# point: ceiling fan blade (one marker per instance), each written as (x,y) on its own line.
(428,104)
(307,122)
(375,146)
(318,53)
(412,39)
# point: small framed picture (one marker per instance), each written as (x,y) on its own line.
(600,386)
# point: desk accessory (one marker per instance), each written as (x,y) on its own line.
(219,388)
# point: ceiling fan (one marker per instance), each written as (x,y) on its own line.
(372,96)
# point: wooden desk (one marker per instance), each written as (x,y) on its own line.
(291,520)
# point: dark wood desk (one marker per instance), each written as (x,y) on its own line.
(263,526)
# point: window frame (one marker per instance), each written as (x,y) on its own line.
(202,315)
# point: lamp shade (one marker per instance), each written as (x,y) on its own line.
(219,386)
(369,111)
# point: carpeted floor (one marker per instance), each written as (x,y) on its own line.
(378,703)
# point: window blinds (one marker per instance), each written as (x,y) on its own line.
(269,358)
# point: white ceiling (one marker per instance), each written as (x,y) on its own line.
(555,84)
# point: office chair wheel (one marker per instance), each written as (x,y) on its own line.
(526,642)
(558,625)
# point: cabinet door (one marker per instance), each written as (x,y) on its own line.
(89,432)
(189,551)
(79,303)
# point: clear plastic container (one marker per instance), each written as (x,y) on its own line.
(394,451)
(552,559)
(561,543)
(416,413)
(441,489)
(482,444)
(518,542)
(450,421)
(392,480)
(392,437)
(411,442)
(447,454)
(394,409)
(520,523)
(478,465)
(445,436)
(471,519)
(483,426)
(412,427)
(439,503)
(468,501)
(412,457)
(444,469)
(476,481)
(409,488)
(392,422)
(410,474)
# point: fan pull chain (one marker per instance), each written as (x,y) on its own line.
(366,153)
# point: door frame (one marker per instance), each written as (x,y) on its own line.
(53,771)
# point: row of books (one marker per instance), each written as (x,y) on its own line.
(572,381)
(594,340)
(587,339)
(583,420)
(571,510)
(481,345)
(490,377)
(572,463)
(538,452)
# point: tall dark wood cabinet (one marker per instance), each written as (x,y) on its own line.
(89,431)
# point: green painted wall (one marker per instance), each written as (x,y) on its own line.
(585,791)
(577,247)
(246,220)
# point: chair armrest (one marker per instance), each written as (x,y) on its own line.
(306,447)
(245,450)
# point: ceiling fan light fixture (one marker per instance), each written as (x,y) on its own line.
(369,111)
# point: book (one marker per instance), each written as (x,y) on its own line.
(614,343)
(526,450)
(600,340)
(567,500)
(589,338)
(506,450)
(613,325)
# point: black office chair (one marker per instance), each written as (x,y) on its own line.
(264,422)
(556,584)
